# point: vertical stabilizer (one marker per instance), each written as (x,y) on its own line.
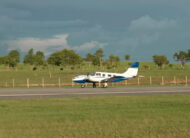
(132,71)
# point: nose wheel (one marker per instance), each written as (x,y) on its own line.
(105,85)
(83,86)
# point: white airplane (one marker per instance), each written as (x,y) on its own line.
(104,77)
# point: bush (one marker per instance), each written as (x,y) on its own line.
(171,65)
(146,67)
(34,68)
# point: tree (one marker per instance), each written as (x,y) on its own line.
(55,59)
(11,60)
(8,61)
(127,57)
(188,54)
(64,57)
(160,60)
(99,54)
(39,58)
(113,61)
(29,57)
(182,56)
(89,57)
(14,54)
(3,60)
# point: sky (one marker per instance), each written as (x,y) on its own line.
(140,28)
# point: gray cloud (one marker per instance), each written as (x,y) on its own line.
(57,42)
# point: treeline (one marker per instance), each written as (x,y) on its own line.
(69,57)
(181,56)
(64,57)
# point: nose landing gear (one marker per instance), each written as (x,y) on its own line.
(83,86)
(105,85)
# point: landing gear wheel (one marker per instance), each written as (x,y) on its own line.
(105,85)
(94,85)
(83,86)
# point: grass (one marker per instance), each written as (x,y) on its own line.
(127,116)
(52,74)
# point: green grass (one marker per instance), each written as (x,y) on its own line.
(52,74)
(134,116)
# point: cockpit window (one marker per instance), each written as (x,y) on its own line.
(98,74)
(93,74)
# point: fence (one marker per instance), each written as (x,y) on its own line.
(139,81)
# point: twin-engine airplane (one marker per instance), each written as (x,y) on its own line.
(105,77)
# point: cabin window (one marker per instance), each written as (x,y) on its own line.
(98,74)
(109,75)
(93,74)
(103,75)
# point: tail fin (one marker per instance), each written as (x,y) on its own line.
(133,70)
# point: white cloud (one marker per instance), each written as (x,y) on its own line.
(57,42)
(146,23)
(89,45)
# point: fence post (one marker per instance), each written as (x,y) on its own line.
(28,83)
(43,85)
(162,80)
(6,85)
(186,80)
(126,82)
(175,80)
(13,83)
(72,83)
(150,80)
(49,74)
(59,81)
(138,81)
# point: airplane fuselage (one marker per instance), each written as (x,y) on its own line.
(104,77)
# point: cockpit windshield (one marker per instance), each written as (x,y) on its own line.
(93,74)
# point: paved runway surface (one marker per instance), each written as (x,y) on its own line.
(85,92)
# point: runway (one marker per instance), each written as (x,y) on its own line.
(86,92)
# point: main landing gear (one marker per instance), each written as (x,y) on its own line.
(94,85)
(105,85)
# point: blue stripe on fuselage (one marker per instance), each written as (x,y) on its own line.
(118,80)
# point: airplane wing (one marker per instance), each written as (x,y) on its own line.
(115,79)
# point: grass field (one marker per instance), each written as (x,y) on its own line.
(52,74)
(127,116)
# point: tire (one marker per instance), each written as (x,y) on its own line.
(83,86)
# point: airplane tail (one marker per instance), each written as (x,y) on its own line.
(133,70)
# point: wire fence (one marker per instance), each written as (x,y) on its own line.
(59,82)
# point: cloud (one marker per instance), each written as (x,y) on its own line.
(146,23)
(146,30)
(89,45)
(57,42)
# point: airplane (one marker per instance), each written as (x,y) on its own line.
(105,77)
